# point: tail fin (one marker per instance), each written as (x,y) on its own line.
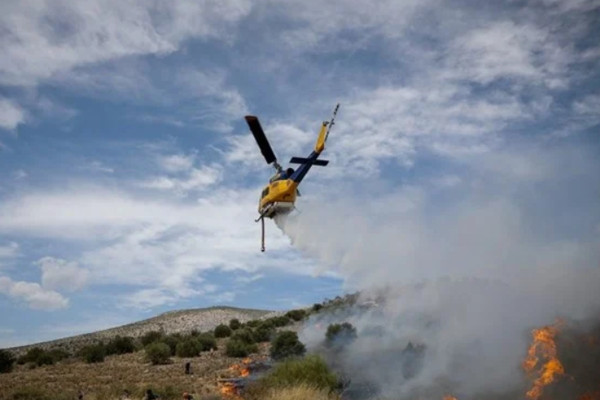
(324,132)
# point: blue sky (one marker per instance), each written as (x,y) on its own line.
(129,181)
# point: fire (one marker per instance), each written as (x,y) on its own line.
(228,389)
(448,397)
(542,355)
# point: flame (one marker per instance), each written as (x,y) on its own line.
(229,391)
(542,353)
(590,396)
(448,397)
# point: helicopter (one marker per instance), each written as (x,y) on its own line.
(279,195)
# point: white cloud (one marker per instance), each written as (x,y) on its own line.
(11,114)
(52,37)
(19,174)
(195,179)
(62,274)
(8,251)
(33,294)
(177,162)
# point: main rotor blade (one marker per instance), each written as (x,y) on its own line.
(261,139)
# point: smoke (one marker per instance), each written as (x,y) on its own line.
(465,271)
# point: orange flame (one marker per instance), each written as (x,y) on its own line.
(542,353)
(448,397)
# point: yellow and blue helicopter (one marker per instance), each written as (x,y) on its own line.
(279,196)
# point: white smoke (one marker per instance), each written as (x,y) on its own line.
(467,271)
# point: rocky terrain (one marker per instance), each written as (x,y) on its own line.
(182,321)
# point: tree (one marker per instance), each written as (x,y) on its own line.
(286,344)
(237,348)
(158,353)
(31,356)
(222,331)
(296,315)
(207,342)
(339,335)
(151,337)
(120,345)
(189,347)
(6,361)
(93,353)
(234,324)
(245,335)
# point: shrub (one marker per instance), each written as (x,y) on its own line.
(263,333)
(44,359)
(172,341)
(189,347)
(58,354)
(340,334)
(6,361)
(310,369)
(31,356)
(93,353)
(286,344)
(253,323)
(234,324)
(317,307)
(280,321)
(151,337)
(303,391)
(222,331)
(207,342)
(120,345)
(296,315)
(244,335)
(237,348)
(158,353)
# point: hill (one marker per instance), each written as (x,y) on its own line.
(181,321)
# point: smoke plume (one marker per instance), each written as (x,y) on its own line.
(459,275)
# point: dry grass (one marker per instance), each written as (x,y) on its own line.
(300,392)
(108,380)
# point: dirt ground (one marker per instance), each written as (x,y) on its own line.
(109,379)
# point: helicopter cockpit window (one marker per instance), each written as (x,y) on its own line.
(265,192)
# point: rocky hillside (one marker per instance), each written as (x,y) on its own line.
(201,319)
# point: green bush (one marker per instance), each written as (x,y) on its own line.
(158,353)
(280,321)
(340,334)
(296,315)
(253,323)
(45,359)
(310,370)
(244,335)
(237,348)
(58,354)
(207,342)
(286,344)
(263,333)
(151,337)
(31,356)
(234,324)
(189,347)
(120,345)
(222,331)
(172,341)
(317,307)
(93,353)
(6,361)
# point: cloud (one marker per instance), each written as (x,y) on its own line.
(11,114)
(61,274)
(195,179)
(50,38)
(33,294)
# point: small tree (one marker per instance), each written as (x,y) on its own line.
(158,353)
(296,315)
(339,335)
(31,355)
(120,345)
(237,348)
(317,307)
(58,354)
(245,335)
(151,337)
(263,333)
(207,342)
(222,331)
(93,353)
(172,341)
(189,347)
(286,344)
(234,324)
(6,361)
